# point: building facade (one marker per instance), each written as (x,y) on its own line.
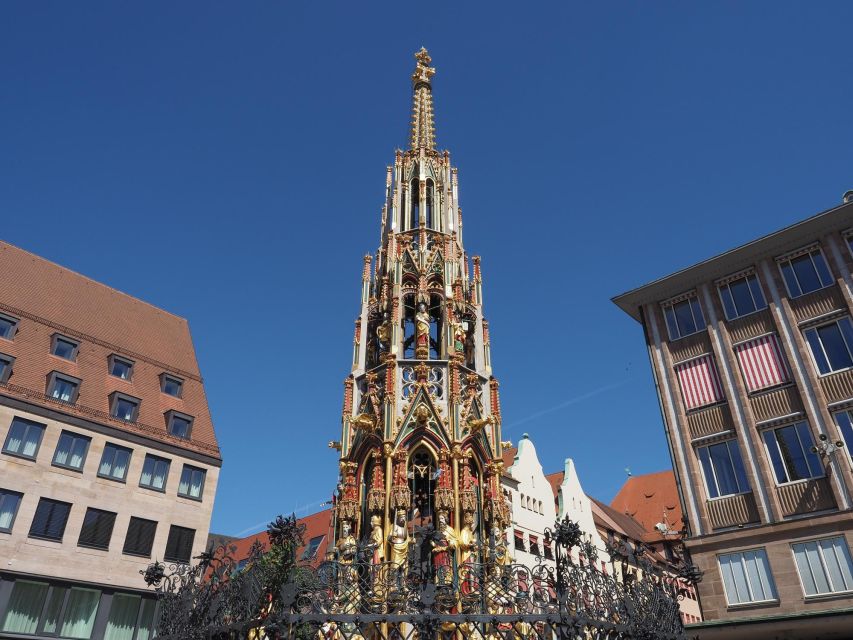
(108,461)
(752,353)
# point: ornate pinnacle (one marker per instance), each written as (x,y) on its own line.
(423,128)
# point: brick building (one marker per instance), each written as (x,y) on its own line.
(109,459)
(752,353)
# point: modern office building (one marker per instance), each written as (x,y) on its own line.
(108,460)
(752,354)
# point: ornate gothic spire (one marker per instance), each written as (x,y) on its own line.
(423,128)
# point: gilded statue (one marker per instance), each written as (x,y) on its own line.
(346,547)
(399,540)
(383,331)
(475,425)
(364,421)
(467,546)
(376,541)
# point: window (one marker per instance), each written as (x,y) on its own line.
(24,438)
(62,387)
(742,296)
(114,462)
(120,367)
(311,550)
(824,566)
(63,347)
(179,546)
(723,469)
(844,420)
(124,407)
(6,363)
(97,529)
(747,577)
(519,541)
(534,546)
(805,273)
(154,473)
(129,614)
(684,317)
(50,519)
(192,482)
(761,363)
(8,326)
(9,503)
(832,345)
(171,385)
(699,382)
(71,451)
(179,424)
(140,537)
(38,608)
(789,448)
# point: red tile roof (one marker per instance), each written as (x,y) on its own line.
(48,299)
(647,498)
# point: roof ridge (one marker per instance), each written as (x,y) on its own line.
(92,280)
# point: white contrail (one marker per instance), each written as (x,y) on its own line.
(259,526)
(566,403)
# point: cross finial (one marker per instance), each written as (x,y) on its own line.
(423,72)
(423,129)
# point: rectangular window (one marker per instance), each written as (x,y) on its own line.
(127,614)
(9,503)
(192,482)
(25,607)
(97,529)
(6,363)
(762,363)
(62,387)
(723,469)
(63,347)
(684,317)
(805,273)
(700,384)
(171,385)
(114,462)
(534,546)
(124,407)
(155,471)
(789,449)
(120,367)
(50,519)
(824,566)
(79,614)
(747,577)
(832,345)
(742,296)
(179,424)
(140,537)
(71,451)
(8,326)
(519,541)
(24,438)
(179,546)
(844,420)
(311,550)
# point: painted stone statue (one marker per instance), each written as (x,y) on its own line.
(443,546)
(422,322)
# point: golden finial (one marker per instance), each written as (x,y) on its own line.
(423,129)
(423,72)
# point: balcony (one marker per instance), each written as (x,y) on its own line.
(806,496)
(817,303)
(732,511)
(775,403)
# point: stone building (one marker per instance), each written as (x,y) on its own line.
(109,459)
(752,353)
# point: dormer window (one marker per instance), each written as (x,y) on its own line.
(171,385)
(120,367)
(179,424)
(6,363)
(63,347)
(62,387)
(8,326)
(124,407)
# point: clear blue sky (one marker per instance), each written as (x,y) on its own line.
(226,162)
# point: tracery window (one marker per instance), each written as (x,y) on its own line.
(430,193)
(414,209)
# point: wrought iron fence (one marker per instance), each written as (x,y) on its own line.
(267,596)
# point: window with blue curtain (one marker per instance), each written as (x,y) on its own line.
(71,451)
(824,566)
(24,438)
(746,577)
(789,450)
(723,469)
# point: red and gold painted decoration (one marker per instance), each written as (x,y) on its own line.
(420,442)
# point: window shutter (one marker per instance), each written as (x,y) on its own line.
(50,519)
(140,536)
(97,528)
(700,384)
(180,544)
(762,363)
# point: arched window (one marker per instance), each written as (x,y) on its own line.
(409,311)
(436,324)
(422,467)
(401,212)
(430,189)
(414,210)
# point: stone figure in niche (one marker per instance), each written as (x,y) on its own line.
(467,549)
(346,547)
(458,335)
(399,540)
(443,545)
(383,332)
(422,323)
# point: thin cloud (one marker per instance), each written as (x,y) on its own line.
(569,402)
(260,526)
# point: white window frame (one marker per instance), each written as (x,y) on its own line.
(771,584)
(729,442)
(796,254)
(815,327)
(827,574)
(745,275)
(685,297)
(779,450)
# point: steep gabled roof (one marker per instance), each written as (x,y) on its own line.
(650,499)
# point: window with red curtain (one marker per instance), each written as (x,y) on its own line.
(762,363)
(700,384)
